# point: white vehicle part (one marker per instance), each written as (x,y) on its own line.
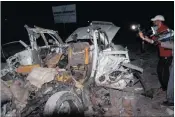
(121,54)
(4,71)
(104,39)
(118,47)
(113,61)
(120,83)
(39,76)
(51,33)
(108,64)
(12,62)
(26,57)
(82,33)
(29,57)
(55,102)
(24,44)
(35,33)
(32,36)
(44,38)
(108,27)
(95,54)
(128,65)
(20,41)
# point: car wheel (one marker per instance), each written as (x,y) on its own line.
(63,104)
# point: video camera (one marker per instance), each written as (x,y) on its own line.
(165,35)
(137,28)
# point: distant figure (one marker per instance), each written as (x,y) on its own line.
(170,90)
(165,55)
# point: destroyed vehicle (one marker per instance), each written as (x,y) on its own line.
(42,43)
(101,58)
(97,66)
(87,81)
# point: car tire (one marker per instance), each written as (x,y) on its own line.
(56,104)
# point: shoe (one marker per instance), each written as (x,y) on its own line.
(166,103)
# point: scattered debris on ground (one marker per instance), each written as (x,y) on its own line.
(91,78)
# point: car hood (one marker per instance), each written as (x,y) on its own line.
(82,32)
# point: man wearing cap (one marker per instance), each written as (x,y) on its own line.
(165,55)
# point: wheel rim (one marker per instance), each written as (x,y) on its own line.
(64,108)
(68,108)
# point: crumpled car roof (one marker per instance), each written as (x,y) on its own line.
(82,32)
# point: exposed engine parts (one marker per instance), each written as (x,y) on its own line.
(67,79)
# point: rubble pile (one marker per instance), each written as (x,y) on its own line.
(88,75)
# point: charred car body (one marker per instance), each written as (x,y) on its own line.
(33,53)
(87,66)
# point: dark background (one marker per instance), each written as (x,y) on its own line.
(16,14)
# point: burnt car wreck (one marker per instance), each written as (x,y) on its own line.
(83,77)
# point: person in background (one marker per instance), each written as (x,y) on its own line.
(170,89)
(165,55)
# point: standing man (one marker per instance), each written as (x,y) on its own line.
(165,55)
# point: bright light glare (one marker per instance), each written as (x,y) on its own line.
(133,27)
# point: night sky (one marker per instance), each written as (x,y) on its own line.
(16,14)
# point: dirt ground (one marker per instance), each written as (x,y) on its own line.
(144,106)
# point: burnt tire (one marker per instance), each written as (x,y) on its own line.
(58,102)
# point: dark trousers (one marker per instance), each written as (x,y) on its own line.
(163,71)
